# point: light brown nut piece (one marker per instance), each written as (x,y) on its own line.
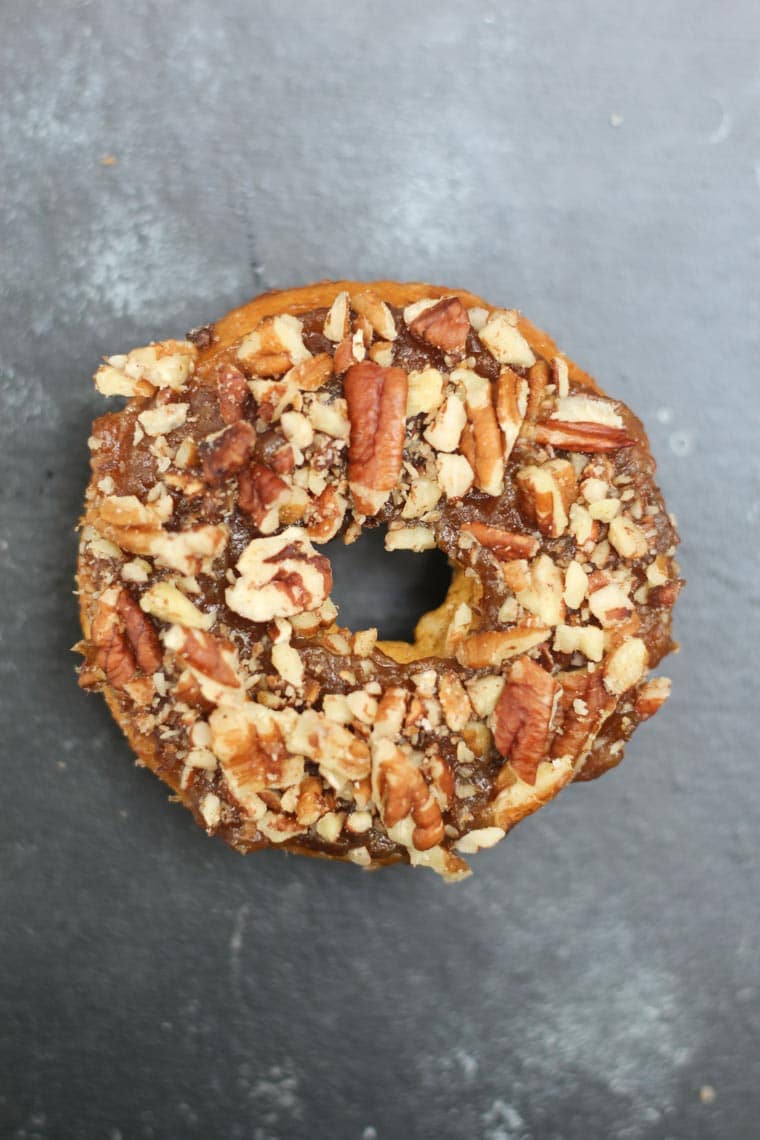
(492,647)
(228,452)
(445,325)
(628,539)
(233,393)
(502,338)
(141,633)
(205,653)
(340,754)
(522,717)
(625,666)
(279,576)
(486,434)
(652,696)
(337,322)
(545,494)
(167,364)
(505,544)
(311,374)
(274,346)
(403,791)
(584,706)
(581,436)
(377,412)
(167,603)
(511,406)
(113,655)
(326,516)
(369,305)
(455,703)
(350,351)
(260,492)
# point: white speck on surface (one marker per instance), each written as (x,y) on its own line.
(277,1102)
(616,119)
(707,1094)
(723,129)
(664,415)
(369,1133)
(681,442)
(503,1122)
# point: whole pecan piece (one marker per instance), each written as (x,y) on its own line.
(377,413)
(404,791)
(522,717)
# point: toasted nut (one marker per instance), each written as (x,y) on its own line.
(652,696)
(377,412)
(455,475)
(162,419)
(504,342)
(367,303)
(425,392)
(487,438)
(228,452)
(326,516)
(233,393)
(586,639)
(445,325)
(455,703)
(279,576)
(446,430)
(261,493)
(628,539)
(167,364)
(625,666)
(543,595)
(479,839)
(402,791)
(581,436)
(337,321)
(587,410)
(545,494)
(523,715)
(165,602)
(311,374)
(511,406)
(503,543)
(410,538)
(423,496)
(610,605)
(576,585)
(492,647)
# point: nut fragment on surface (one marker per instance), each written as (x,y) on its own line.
(315,414)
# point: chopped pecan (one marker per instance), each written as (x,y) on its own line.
(445,325)
(350,351)
(581,436)
(313,801)
(260,491)
(279,577)
(372,307)
(545,494)
(114,654)
(652,696)
(486,436)
(455,703)
(249,741)
(233,393)
(523,715)
(337,321)
(340,754)
(141,633)
(205,653)
(625,666)
(539,377)
(327,514)
(377,412)
(493,646)
(274,346)
(403,791)
(666,595)
(503,543)
(311,374)
(511,405)
(583,708)
(228,452)
(504,341)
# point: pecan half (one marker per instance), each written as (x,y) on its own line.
(445,325)
(141,633)
(113,652)
(487,441)
(403,791)
(228,452)
(584,706)
(233,393)
(377,413)
(523,715)
(581,436)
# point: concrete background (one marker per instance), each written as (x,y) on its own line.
(597,164)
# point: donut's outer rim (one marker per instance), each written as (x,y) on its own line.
(232,327)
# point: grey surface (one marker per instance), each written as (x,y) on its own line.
(602,965)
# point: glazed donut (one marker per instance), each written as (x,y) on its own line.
(205,591)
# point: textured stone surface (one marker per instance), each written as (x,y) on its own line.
(597,164)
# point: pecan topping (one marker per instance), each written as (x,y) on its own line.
(488,446)
(205,653)
(652,696)
(445,325)
(279,576)
(259,492)
(503,543)
(327,515)
(113,653)
(233,393)
(377,412)
(311,374)
(523,716)
(581,437)
(228,452)
(376,312)
(511,405)
(403,791)
(141,633)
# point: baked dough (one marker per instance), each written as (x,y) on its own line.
(205,591)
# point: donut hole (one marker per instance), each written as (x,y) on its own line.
(387,590)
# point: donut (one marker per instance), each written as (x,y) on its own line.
(204,586)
